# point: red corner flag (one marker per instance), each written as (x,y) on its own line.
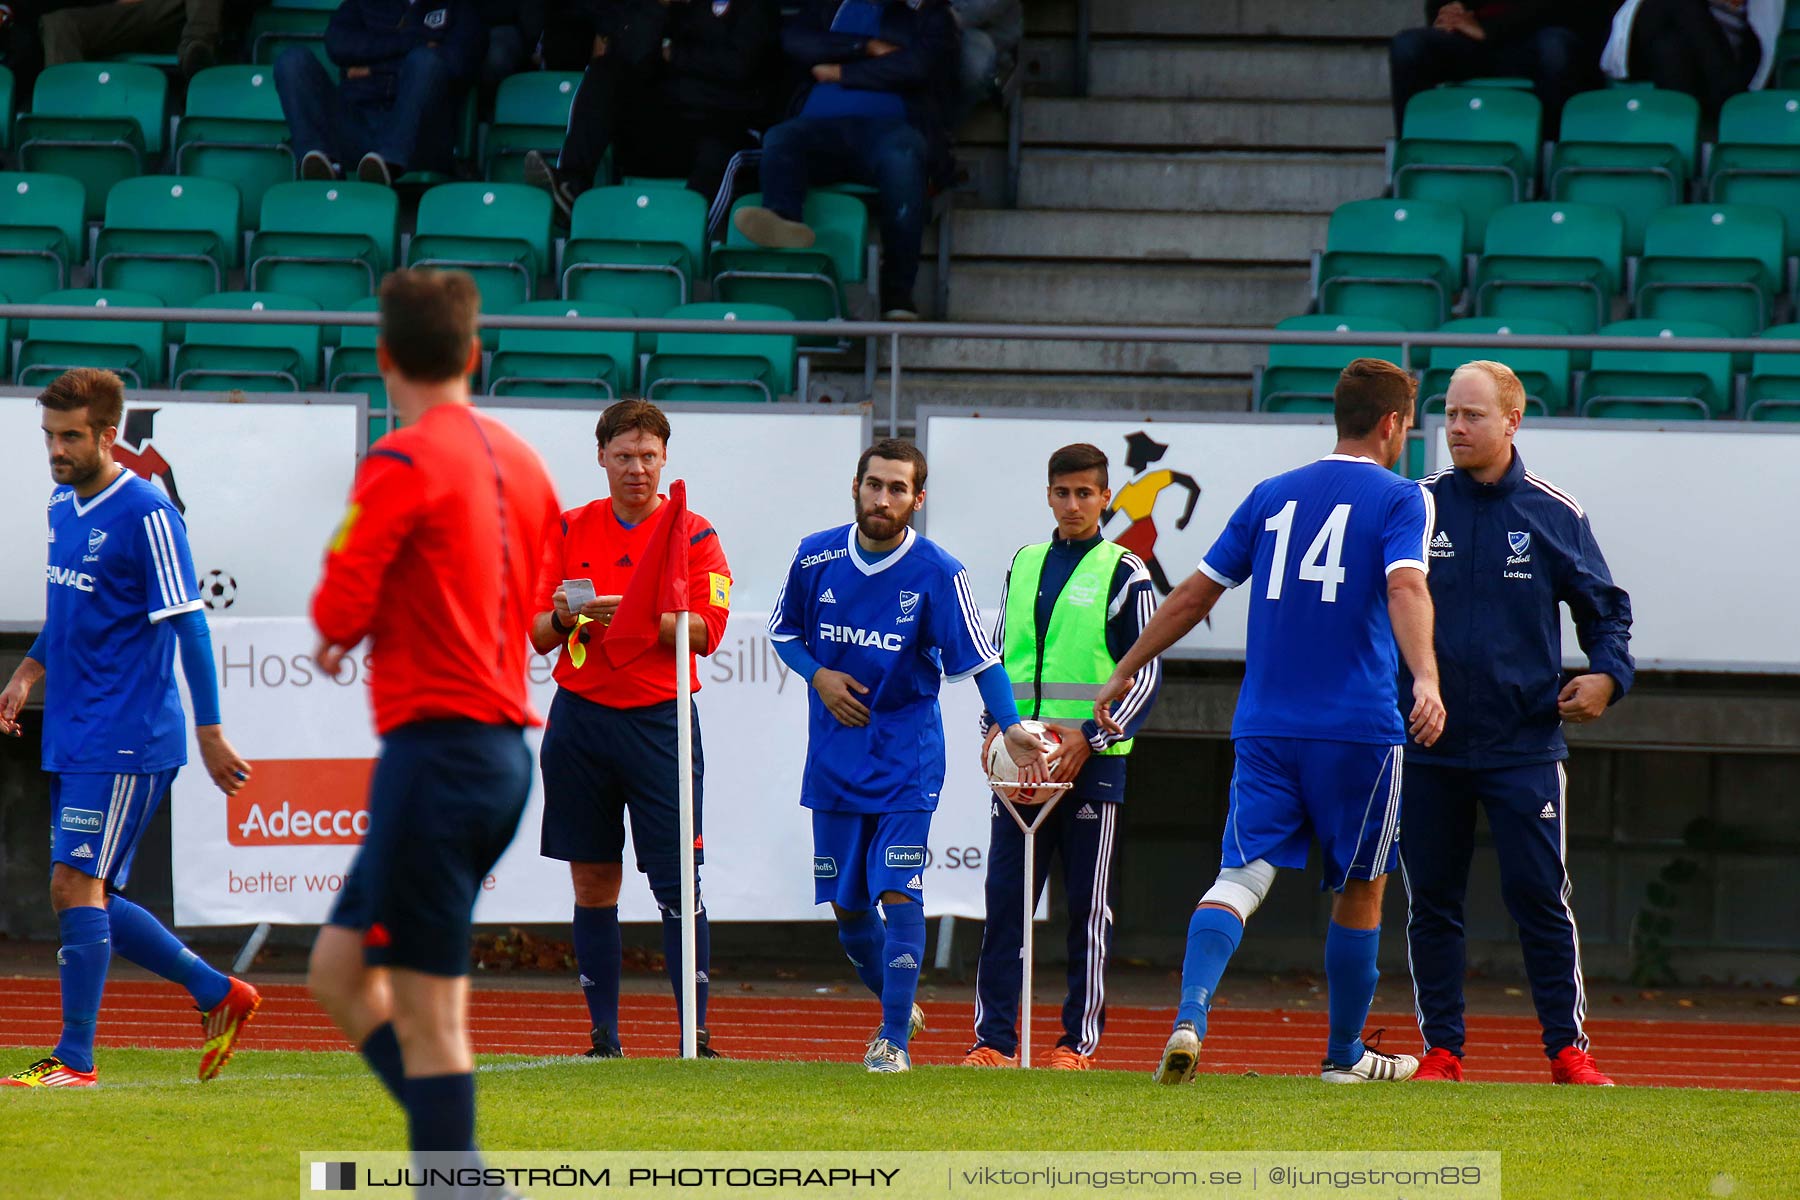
(658,586)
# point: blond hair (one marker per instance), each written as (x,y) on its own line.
(1508,391)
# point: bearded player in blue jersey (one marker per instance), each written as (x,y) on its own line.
(1335,555)
(874,617)
(121,595)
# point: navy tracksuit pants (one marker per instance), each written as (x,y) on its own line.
(1080,833)
(1526,814)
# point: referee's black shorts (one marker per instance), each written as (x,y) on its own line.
(444,804)
(600,763)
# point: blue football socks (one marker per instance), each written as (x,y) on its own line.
(903,952)
(140,938)
(1213,937)
(597,951)
(82,961)
(1350,976)
(864,937)
(381,1050)
(671,938)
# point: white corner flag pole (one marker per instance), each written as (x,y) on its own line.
(1029,829)
(684,734)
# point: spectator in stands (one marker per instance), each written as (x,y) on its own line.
(1554,44)
(873,112)
(85,32)
(513,30)
(1710,49)
(991,30)
(693,79)
(404,64)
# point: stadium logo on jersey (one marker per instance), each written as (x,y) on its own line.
(824,867)
(1441,547)
(83,820)
(906,858)
(850,635)
(823,556)
(81,581)
(136,448)
(825,597)
(96,539)
(1520,541)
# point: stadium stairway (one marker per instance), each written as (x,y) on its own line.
(1186,188)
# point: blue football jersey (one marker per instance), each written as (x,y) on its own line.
(119,567)
(897,626)
(1318,544)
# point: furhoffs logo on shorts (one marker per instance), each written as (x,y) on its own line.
(824,867)
(906,858)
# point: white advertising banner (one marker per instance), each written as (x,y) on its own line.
(261,486)
(1696,522)
(278,851)
(765,476)
(1175,483)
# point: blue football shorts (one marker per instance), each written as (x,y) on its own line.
(1286,792)
(858,856)
(97,821)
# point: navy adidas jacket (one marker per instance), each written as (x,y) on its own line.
(1504,556)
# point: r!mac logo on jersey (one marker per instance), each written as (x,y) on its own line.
(302,802)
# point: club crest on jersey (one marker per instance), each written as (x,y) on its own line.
(436,18)
(1519,540)
(96,539)
(908,602)
(720,7)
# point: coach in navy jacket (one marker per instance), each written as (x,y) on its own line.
(1507,550)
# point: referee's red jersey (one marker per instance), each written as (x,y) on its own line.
(592,543)
(435,562)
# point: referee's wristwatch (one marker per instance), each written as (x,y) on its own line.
(556,624)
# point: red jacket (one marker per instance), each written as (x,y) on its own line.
(434,563)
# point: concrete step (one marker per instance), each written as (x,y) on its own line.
(1125,294)
(1046,234)
(976,357)
(1373,19)
(1214,69)
(1182,124)
(1197,182)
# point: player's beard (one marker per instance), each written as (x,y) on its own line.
(879,528)
(74,471)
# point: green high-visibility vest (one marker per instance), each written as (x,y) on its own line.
(1059,679)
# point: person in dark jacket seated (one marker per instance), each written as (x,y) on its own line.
(883,73)
(674,86)
(404,66)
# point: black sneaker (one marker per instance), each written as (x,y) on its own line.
(316,167)
(375,169)
(196,56)
(539,173)
(898,306)
(703,1047)
(605,1044)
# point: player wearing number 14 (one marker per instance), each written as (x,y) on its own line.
(1335,553)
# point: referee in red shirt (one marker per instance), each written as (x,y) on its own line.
(433,564)
(610,743)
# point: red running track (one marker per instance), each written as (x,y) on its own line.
(1500,1049)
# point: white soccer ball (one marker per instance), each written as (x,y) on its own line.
(1003,773)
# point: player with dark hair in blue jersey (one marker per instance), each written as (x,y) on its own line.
(874,616)
(121,595)
(1337,552)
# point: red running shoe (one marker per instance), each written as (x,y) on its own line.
(1439,1065)
(1577,1066)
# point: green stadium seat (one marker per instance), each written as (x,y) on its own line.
(1786,72)
(42,234)
(249,358)
(1757,159)
(570,364)
(175,236)
(275,28)
(1668,385)
(329,241)
(638,247)
(1631,148)
(1545,373)
(1556,261)
(808,283)
(132,349)
(1398,259)
(1722,263)
(531,112)
(1773,390)
(1476,148)
(234,130)
(7,109)
(1301,378)
(352,367)
(722,366)
(497,232)
(96,122)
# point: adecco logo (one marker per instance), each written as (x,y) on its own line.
(302,802)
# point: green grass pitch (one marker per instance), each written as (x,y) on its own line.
(152,1132)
